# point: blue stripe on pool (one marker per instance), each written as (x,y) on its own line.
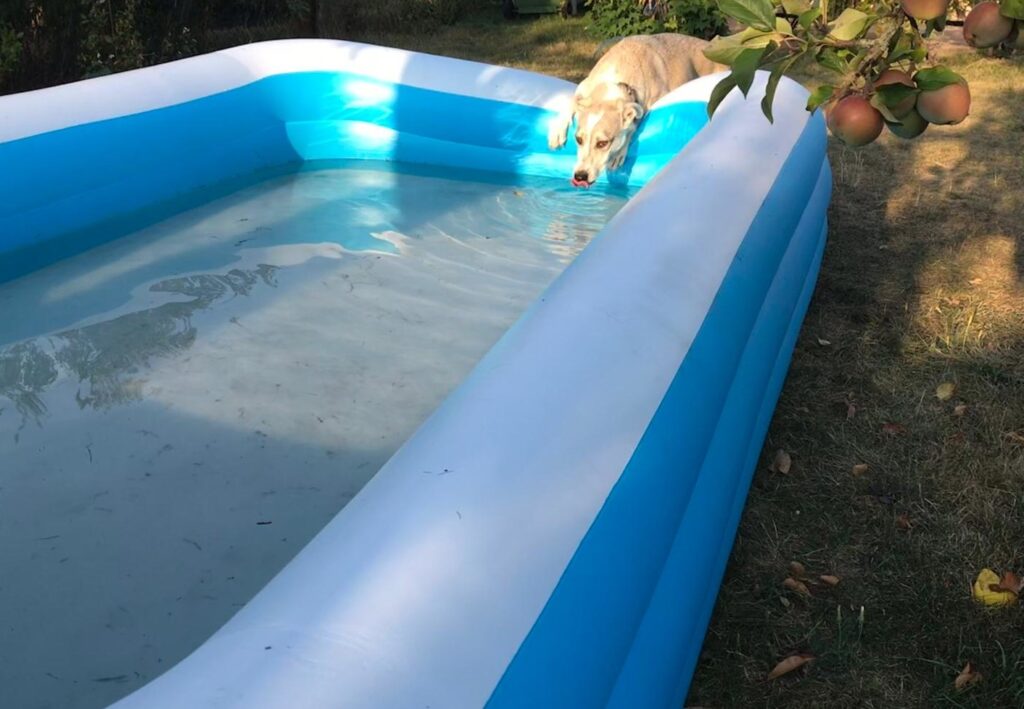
(69,190)
(575,651)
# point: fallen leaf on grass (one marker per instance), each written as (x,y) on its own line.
(988,590)
(1009,582)
(829,579)
(903,521)
(796,586)
(788,664)
(967,676)
(859,469)
(851,411)
(823,342)
(1014,437)
(945,391)
(797,569)
(894,429)
(781,463)
(960,409)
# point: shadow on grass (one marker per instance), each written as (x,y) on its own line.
(922,283)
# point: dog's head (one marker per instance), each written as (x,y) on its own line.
(606,119)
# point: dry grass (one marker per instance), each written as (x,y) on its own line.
(922,283)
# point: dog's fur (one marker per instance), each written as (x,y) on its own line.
(618,92)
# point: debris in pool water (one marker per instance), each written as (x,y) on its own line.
(242,241)
(114,678)
(517,193)
(193,543)
(265,522)
(268,647)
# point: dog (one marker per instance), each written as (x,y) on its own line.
(621,88)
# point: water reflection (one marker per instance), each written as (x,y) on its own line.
(109,358)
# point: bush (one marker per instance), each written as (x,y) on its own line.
(46,42)
(10,50)
(392,15)
(698,18)
(620,18)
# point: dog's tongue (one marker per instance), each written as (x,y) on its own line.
(579,183)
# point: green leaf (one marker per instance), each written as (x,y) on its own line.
(745,66)
(891,95)
(936,77)
(796,7)
(1012,8)
(936,25)
(807,19)
(725,50)
(880,106)
(819,96)
(718,94)
(783,27)
(829,59)
(773,83)
(759,14)
(904,46)
(849,25)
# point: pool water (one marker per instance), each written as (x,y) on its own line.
(182,409)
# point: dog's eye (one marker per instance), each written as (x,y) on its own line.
(579,140)
(601,144)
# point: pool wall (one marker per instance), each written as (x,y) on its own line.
(87,162)
(555,533)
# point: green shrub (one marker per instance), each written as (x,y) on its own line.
(698,18)
(398,15)
(620,18)
(10,50)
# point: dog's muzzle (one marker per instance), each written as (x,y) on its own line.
(580,178)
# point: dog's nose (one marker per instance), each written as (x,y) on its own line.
(581,176)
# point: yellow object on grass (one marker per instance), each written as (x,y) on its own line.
(986,590)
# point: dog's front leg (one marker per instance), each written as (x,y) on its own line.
(558,131)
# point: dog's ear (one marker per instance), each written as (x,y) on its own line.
(631,113)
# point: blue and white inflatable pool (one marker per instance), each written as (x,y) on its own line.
(600,453)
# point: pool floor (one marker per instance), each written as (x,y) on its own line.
(182,409)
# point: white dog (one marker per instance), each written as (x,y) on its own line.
(620,89)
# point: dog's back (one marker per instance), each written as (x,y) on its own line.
(657,63)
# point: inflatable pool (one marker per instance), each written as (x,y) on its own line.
(554,534)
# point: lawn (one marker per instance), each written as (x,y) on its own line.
(922,284)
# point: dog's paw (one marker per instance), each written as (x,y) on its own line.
(556,139)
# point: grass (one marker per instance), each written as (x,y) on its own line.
(921,284)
